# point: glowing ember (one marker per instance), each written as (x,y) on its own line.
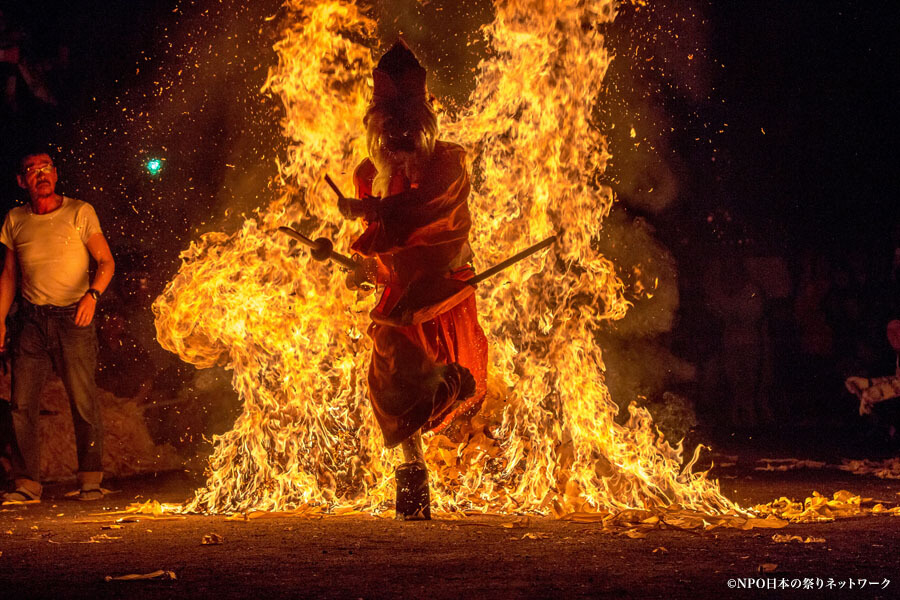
(546,440)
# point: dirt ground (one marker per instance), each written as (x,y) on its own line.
(48,552)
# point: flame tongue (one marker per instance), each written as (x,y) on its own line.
(546,439)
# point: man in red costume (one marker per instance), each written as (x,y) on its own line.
(429,360)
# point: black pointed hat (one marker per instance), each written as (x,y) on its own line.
(398,75)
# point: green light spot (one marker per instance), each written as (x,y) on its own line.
(154,166)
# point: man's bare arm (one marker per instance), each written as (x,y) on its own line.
(106,266)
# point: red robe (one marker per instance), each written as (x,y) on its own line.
(426,318)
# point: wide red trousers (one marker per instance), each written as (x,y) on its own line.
(407,369)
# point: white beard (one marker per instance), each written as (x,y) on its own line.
(388,164)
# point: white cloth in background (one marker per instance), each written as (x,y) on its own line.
(875,390)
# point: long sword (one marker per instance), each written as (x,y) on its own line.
(511,261)
(322,248)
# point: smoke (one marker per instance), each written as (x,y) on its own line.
(658,87)
(640,365)
(446,37)
(192,101)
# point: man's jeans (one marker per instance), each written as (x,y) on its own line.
(49,339)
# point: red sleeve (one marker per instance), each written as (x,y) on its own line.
(434,213)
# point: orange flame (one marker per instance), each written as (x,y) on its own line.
(546,440)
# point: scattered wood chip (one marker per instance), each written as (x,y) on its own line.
(770,522)
(347,511)
(661,550)
(535,536)
(140,519)
(635,534)
(211,539)
(150,507)
(683,521)
(167,575)
(94,539)
(523,522)
(767,568)
(796,538)
(583,517)
(786,464)
(253,515)
(782,539)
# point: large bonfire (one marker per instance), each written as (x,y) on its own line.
(546,440)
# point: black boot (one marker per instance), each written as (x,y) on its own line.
(413,498)
(459,381)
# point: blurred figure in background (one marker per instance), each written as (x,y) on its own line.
(738,304)
(815,379)
(21,77)
(872,392)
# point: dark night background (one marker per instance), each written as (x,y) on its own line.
(763,132)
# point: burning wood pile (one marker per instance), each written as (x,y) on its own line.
(546,440)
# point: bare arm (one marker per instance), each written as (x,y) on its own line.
(106,266)
(7,292)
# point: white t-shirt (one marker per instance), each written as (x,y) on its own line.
(52,250)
